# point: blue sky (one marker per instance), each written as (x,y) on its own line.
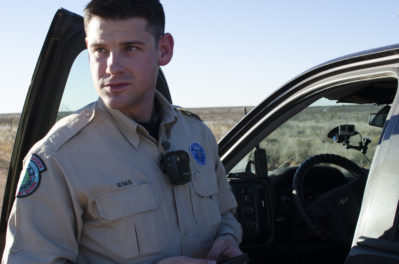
(227,52)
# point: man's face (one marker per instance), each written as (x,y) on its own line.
(124,62)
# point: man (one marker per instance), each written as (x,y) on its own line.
(94,189)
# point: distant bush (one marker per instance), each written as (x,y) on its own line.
(306,135)
(303,135)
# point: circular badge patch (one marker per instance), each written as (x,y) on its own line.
(32,177)
(198,153)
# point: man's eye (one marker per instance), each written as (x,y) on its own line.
(131,48)
(99,50)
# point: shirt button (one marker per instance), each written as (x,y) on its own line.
(165,145)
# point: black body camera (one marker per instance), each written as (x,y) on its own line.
(176,164)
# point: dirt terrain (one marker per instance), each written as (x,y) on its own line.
(8,129)
(220,120)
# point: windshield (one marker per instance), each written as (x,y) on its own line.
(306,134)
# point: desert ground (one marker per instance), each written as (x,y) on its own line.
(220,120)
(309,126)
(8,129)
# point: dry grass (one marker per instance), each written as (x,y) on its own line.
(304,134)
(8,129)
(220,120)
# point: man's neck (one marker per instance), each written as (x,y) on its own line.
(143,115)
(152,126)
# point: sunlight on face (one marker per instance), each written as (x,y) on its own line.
(124,63)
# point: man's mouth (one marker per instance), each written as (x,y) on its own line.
(116,87)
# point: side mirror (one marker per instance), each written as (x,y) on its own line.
(378,119)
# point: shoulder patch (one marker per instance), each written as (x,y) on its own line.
(188,113)
(198,153)
(31,178)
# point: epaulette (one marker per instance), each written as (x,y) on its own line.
(68,127)
(188,113)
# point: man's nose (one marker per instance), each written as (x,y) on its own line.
(114,66)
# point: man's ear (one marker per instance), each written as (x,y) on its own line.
(165,47)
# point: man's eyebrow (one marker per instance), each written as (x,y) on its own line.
(122,44)
(133,42)
(96,45)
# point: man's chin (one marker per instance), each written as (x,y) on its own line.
(113,104)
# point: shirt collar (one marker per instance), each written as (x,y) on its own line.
(168,115)
(130,129)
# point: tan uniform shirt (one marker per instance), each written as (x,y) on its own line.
(97,193)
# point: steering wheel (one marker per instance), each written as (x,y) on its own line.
(333,215)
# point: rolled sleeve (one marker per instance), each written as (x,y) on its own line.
(227,204)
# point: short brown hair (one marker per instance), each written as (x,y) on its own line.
(150,10)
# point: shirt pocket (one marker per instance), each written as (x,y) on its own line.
(204,198)
(132,221)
